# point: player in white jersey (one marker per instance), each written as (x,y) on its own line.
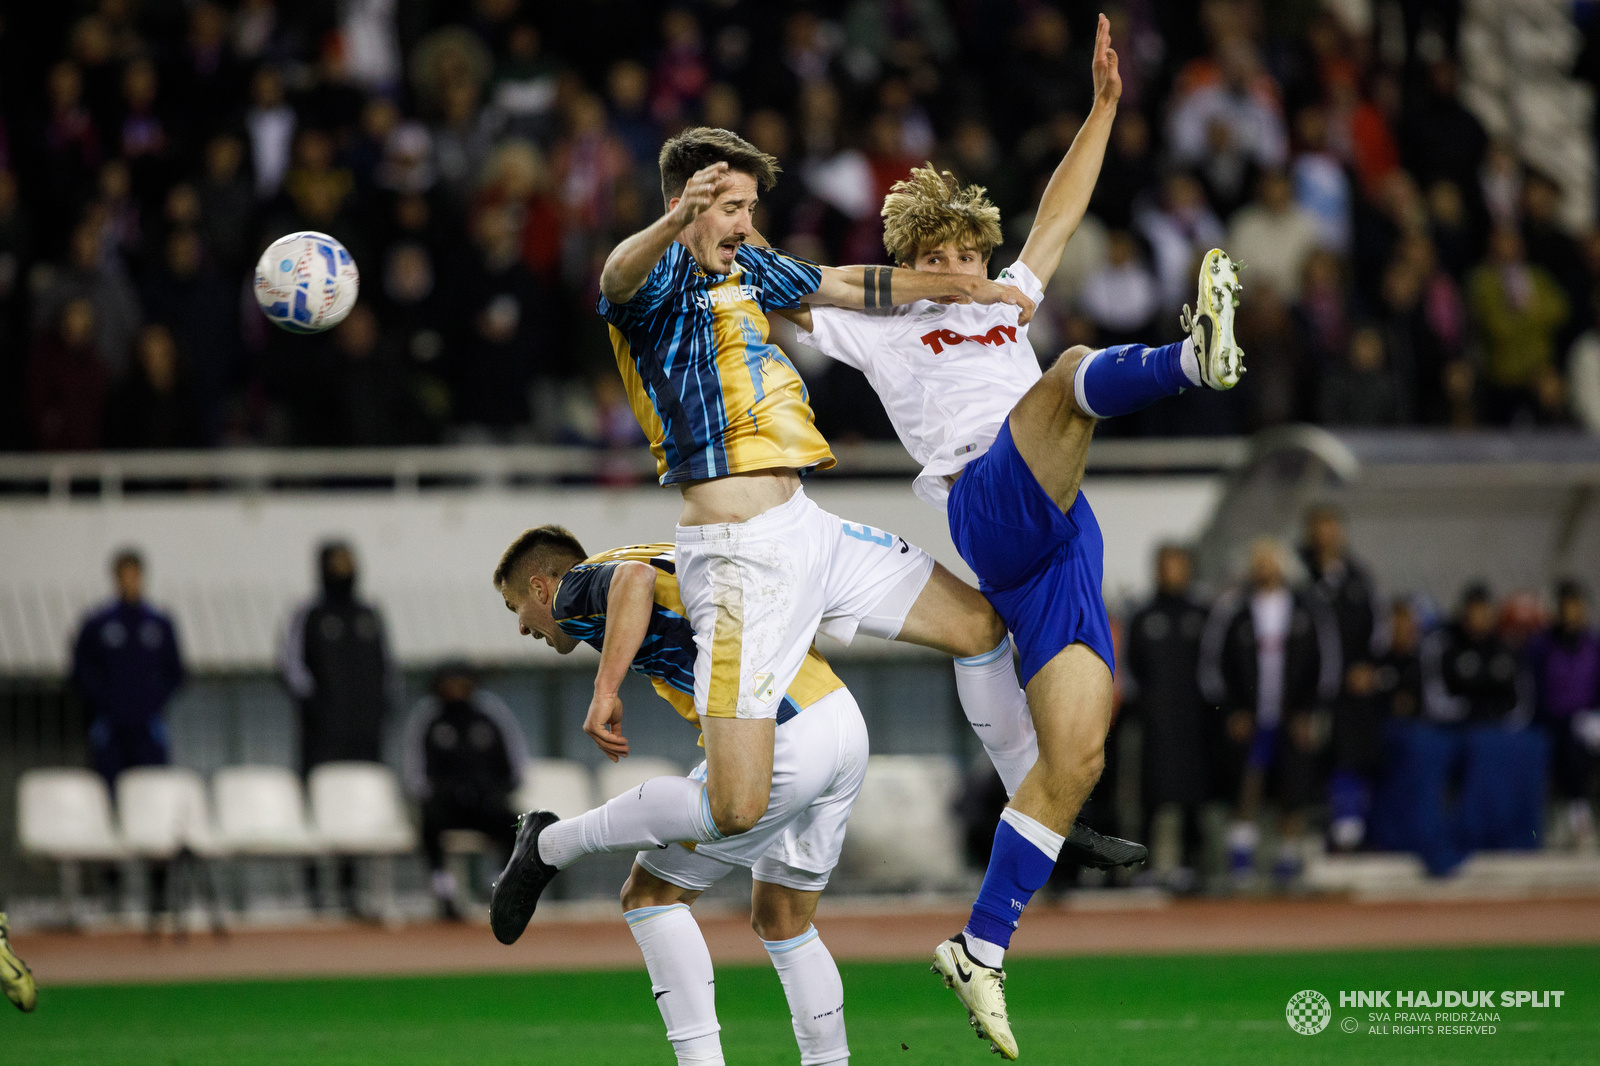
(1003,450)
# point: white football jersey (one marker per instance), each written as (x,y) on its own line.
(948,374)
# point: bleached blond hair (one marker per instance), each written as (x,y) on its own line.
(932,207)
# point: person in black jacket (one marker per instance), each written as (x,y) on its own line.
(1469,674)
(1162,693)
(464,757)
(1347,589)
(335,661)
(1269,659)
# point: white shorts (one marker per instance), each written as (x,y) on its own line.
(819,758)
(757,592)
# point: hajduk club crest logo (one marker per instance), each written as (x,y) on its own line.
(1309,1012)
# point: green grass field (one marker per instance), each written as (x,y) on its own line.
(1101,1010)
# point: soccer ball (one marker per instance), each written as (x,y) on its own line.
(306,282)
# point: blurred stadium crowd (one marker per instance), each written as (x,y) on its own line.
(481,159)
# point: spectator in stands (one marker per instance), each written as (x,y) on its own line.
(1363,389)
(1121,298)
(154,405)
(1583,366)
(1321,186)
(463,758)
(91,274)
(334,659)
(126,666)
(227,206)
(1565,660)
(270,122)
(66,382)
(1160,679)
(1270,659)
(1179,230)
(1519,310)
(1231,129)
(1274,235)
(502,337)
(201,310)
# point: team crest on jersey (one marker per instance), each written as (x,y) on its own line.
(763,685)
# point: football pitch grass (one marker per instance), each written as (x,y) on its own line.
(1097,1010)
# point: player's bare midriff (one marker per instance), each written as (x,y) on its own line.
(737,497)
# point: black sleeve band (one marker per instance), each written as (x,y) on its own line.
(884,274)
(870,292)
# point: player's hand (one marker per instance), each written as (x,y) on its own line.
(700,192)
(1107,81)
(984,291)
(604,724)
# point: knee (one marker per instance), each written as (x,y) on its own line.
(777,923)
(738,814)
(1083,759)
(985,632)
(1064,371)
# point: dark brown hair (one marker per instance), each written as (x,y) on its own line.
(694,150)
(541,548)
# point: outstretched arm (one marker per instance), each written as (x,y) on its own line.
(629,602)
(1067,196)
(881,286)
(630,262)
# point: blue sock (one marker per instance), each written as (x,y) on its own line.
(1018,867)
(1130,377)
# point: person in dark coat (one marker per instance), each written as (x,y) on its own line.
(335,661)
(464,757)
(1269,659)
(126,666)
(1347,590)
(1565,661)
(1160,677)
(1480,699)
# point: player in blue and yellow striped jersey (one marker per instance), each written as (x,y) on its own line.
(666,655)
(759,566)
(626,603)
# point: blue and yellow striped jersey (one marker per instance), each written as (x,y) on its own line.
(714,396)
(667,655)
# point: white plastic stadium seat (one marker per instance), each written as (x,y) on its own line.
(560,785)
(356,809)
(261,811)
(615,778)
(65,815)
(163,811)
(902,831)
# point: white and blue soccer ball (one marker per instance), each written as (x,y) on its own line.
(306,282)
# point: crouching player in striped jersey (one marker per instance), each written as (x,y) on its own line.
(627,604)
(1003,448)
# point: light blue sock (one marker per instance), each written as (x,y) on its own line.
(1130,377)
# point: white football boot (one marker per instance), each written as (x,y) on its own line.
(16,980)
(1210,324)
(982,990)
